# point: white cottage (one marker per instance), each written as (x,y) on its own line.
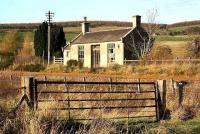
(103,48)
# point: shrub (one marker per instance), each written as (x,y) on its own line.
(161,52)
(8,60)
(74,64)
(30,67)
(115,67)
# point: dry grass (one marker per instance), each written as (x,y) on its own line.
(179,48)
(47,122)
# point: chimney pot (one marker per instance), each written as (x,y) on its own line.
(85,19)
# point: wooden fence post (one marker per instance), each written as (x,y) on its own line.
(181,85)
(172,86)
(162,88)
(27,83)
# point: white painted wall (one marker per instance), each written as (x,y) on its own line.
(119,53)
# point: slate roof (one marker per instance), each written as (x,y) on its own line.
(101,36)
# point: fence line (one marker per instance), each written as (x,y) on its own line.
(151,61)
(168,61)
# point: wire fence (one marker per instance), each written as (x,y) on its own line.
(158,62)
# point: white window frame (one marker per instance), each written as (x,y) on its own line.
(81,53)
(111,52)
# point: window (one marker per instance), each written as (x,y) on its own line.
(80,53)
(111,52)
(67,53)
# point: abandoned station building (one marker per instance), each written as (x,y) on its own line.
(103,48)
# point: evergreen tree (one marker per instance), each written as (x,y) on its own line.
(41,40)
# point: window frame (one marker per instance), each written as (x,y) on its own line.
(81,53)
(111,52)
(67,54)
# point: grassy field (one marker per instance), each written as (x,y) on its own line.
(181,28)
(179,48)
(69,36)
(174,38)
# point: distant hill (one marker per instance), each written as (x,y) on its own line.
(181,28)
(29,26)
(185,24)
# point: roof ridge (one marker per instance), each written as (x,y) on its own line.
(109,30)
(76,37)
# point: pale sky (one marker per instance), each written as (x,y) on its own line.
(170,11)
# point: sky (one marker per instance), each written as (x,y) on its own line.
(30,11)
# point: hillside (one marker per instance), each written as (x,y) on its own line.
(70,24)
(95,24)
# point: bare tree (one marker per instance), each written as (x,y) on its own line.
(141,41)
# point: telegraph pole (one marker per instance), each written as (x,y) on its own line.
(49,16)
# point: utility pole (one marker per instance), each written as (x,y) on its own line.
(49,16)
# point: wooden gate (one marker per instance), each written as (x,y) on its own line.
(92,100)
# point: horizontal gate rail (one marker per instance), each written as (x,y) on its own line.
(139,99)
(92,108)
(99,92)
(117,118)
(94,83)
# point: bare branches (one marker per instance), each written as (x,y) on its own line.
(152,22)
(141,41)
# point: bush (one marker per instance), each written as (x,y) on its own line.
(115,67)
(6,62)
(161,53)
(74,64)
(30,67)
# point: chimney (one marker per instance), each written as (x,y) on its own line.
(85,26)
(136,20)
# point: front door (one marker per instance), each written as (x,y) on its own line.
(95,59)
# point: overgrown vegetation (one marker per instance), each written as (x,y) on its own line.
(185,120)
(30,67)
(161,53)
(143,68)
(74,63)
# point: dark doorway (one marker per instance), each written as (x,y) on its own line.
(95,59)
